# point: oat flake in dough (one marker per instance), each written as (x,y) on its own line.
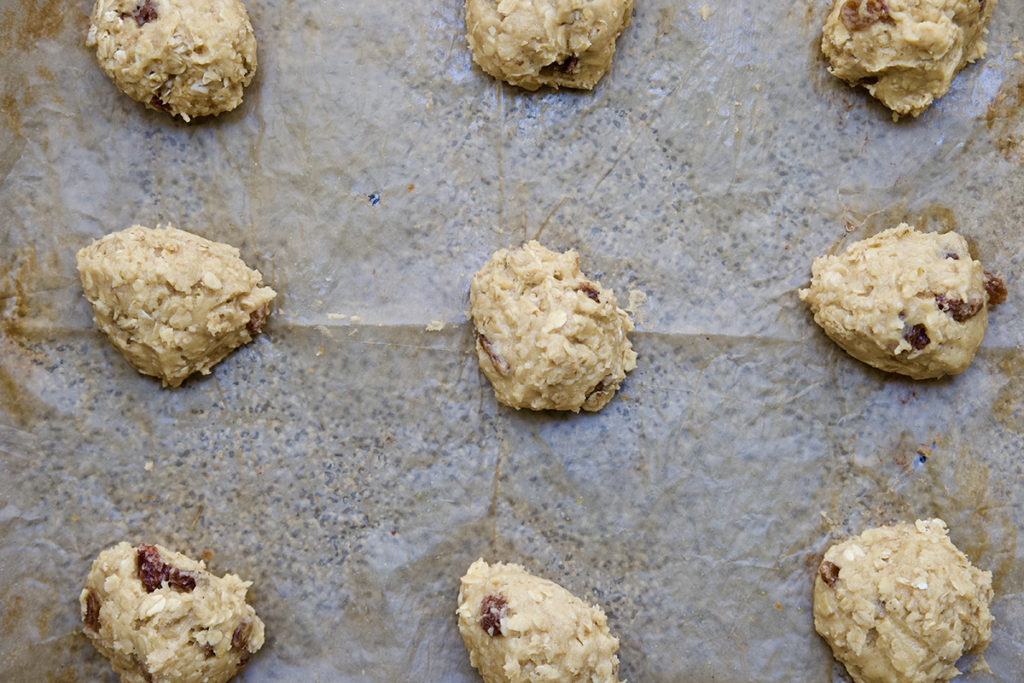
(520,628)
(902,604)
(548,338)
(905,52)
(186,57)
(172,302)
(557,43)
(905,301)
(159,616)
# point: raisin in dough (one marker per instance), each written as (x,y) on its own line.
(902,604)
(172,302)
(557,43)
(519,627)
(548,338)
(186,57)
(159,616)
(905,301)
(905,52)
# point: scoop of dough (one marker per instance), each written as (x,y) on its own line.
(902,604)
(548,338)
(172,302)
(905,301)
(186,57)
(533,43)
(905,52)
(521,628)
(159,616)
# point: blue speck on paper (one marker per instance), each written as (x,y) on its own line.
(374,198)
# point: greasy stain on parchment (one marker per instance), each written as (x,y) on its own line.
(1003,118)
(1006,407)
(26,22)
(916,478)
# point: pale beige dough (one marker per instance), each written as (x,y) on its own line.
(159,616)
(557,43)
(900,604)
(186,57)
(548,338)
(905,52)
(905,301)
(172,302)
(521,628)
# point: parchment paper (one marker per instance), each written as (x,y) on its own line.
(353,464)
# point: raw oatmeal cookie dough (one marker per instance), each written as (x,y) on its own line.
(520,627)
(172,302)
(905,52)
(548,338)
(902,604)
(557,43)
(185,57)
(159,616)
(905,301)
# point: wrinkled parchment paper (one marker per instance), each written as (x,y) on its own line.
(353,464)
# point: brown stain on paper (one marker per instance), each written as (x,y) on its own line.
(1002,115)
(26,22)
(1006,407)
(15,276)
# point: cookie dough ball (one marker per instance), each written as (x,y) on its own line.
(519,627)
(186,57)
(172,302)
(548,338)
(558,43)
(905,301)
(901,603)
(159,616)
(905,52)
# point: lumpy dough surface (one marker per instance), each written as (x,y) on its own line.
(159,616)
(902,604)
(518,627)
(905,52)
(186,57)
(172,302)
(905,301)
(548,338)
(557,43)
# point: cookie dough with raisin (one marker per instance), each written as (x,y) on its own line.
(905,52)
(172,302)
(521,628)
(905,301)
(902,603)
(556,43)
(188,58)
(159,616)
(547,337)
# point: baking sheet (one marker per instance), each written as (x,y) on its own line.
(353,464)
